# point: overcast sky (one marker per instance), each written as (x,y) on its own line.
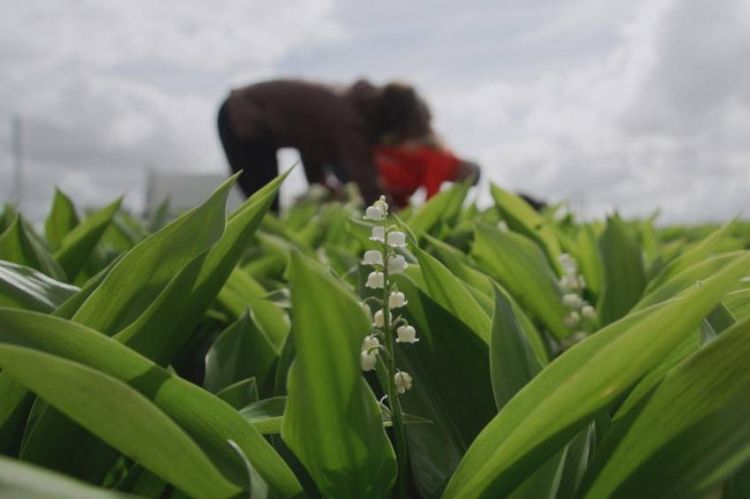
(633,105)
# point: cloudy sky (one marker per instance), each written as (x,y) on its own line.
(631,105)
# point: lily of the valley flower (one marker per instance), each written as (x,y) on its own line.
(375,213)
(406,334)
(378,320)
(568,263)
(378,234)
(588,311)
(573,300)
(376,280)
(572,319)
(396,239)
(372,257)
(367,360)
(396,299)
(396,264)
(403,381)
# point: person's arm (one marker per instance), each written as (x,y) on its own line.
(355,156)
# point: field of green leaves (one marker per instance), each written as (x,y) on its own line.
(352,352)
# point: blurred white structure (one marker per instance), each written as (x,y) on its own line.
(184,190)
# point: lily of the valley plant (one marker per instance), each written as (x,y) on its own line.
(388,328)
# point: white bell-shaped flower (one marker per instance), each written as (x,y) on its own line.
(572,319)
(572,300)
(396,299)
(502,226)
(581,282)
(378,234)
(378,320)
(568,263)
(406,334)
(366,309)
(370,343)
(396,264)
(588,311)
(375,280)
(367,360)
(374,213)
(396,239)
(403,381)
(569,282)
(372,257)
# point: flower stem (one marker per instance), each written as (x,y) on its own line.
(402,457)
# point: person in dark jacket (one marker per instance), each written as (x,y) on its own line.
(334,129)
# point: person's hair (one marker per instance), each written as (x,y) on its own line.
(403,114)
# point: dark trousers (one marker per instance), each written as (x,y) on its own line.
(255,157)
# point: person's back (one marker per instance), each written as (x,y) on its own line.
(329,126)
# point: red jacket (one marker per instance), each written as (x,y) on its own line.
(402,171)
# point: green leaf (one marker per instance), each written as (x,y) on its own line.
(331,423)
(444,207)
(240,394)
(624,275)
(19,244)
(452,387)
(76,246)
(705,248)
(24,287)
(207,419)
(136,280)
(62,219)
(23,481)
(512,362)
(521,267)
(559,401)
(266,415)
(119,415)
(449,291)
(521,217)
(241,351)
(694,430)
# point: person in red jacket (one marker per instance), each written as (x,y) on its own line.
(404,169)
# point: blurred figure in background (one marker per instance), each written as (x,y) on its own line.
(339,132)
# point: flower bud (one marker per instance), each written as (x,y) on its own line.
(396,299)
(403,381)
(396,264)
(372,257)
(378,320)
(376,280)
(502,226)
(406,334)
(568,263)
(370,343)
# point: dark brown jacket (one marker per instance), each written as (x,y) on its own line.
(327,125)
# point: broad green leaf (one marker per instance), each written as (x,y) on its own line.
(266,415)
(694,430)
(120,415)
(24,287)
(207,419)
(697,253)
(14,411)
(522,269)
(62,219)
(458,262)
(19,244)
(449,291)
(441,208)
(512,362)
(21,480)
(138,278)
(331,423)
(78,243)
(738,303)
(624,275)
(240,394)
(523,218)
(559,401)
(241,351)
(452,388)
(590,260)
